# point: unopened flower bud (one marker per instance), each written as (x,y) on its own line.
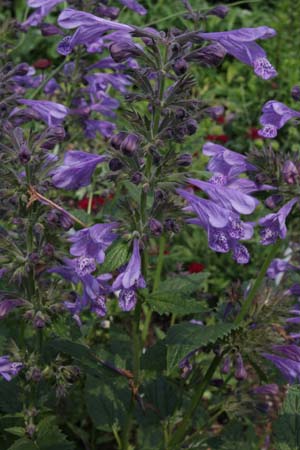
(22,69)
(117,140)
(155,226)
(34,258)
(155,155)
(225,367)
(240,371)
(48,250)
(180,66)
(160,195)
(39,320)
(272,201)
(180,113)
(191,126)
(130,144)
(219,11)
(48,29)
(171,225)
(122,50)
(184,160)
(210,56)
(24,154)
(69,68)
(136,178)
(295,92)
(30,430)
(115,164)
(108,11)
(290,172)
(65,221)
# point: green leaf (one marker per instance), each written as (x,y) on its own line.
(10,396)
(116,256)
(16,431)
(107,405)
(162,396)
(171,298)
(185,337)
(155,357)
(23,444)
(286,429)
(50,437)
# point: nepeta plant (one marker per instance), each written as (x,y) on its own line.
(85,292)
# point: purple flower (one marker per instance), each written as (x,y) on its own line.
(225,161)
(278,266)
(43,8)
(288,362)
(9,369)
(134,5)
(129,280)
(105,128)
(266,389)
(93,241)
(241,44)
(274,226)
(240,371)
(98,306)
(50,112)
(7,305)
(70,18)
(290,172)
(275,115)
(77,169)
(227,198)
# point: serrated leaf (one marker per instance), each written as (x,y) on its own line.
(185,337)
(116,256)
(107,405)
(50,437)
(286,429)
(162,396)
(173,303)
(185,284)
(155,357)
(23,444)
(16,431)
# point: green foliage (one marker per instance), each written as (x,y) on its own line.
(286,429)
(116,256)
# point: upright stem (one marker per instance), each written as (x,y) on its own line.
(253,291)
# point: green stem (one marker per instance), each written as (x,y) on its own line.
(180,433)
(253,291)
(43,84)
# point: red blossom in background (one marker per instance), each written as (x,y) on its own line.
(195,267)
(253,133)
(222,138)
(42,63)
(97,202)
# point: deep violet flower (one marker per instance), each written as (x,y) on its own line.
(70,18)
(278,266)
(9,369)
(266,389)
(241,44)
(50,112)
(275,115)
(8,304)
(129,280)
(77,169)
(43,8)
(273,225)
(240,372)
(93,241)
(134,5)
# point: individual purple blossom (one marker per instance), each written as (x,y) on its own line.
(288,362)
(9,369)
(240,372)
(290,172)
(70,18)
(294,290)
(43,8)
(273,225)
(92,126)
(278,266)
(225,367)
(51,113)
(129,280)
(98,306)
(275,115)
(266,389)
(8,304)
(77,169)
(93,241)
(134,5)
(241,44)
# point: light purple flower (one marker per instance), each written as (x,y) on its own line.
(266,389)
(275,115)
(70,18)
(278,266)
(225,161)
(77,169)
(129,280)
(273,225)
(93,241)
(241,44)
(92,126)
(226,197)
(240,372)
(9,369)
(43,8)
(288,362)
(50,112)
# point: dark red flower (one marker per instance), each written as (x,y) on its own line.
(97,202)
(222,138)
(195,267)
(253,133)
(42,63)
(220,120)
